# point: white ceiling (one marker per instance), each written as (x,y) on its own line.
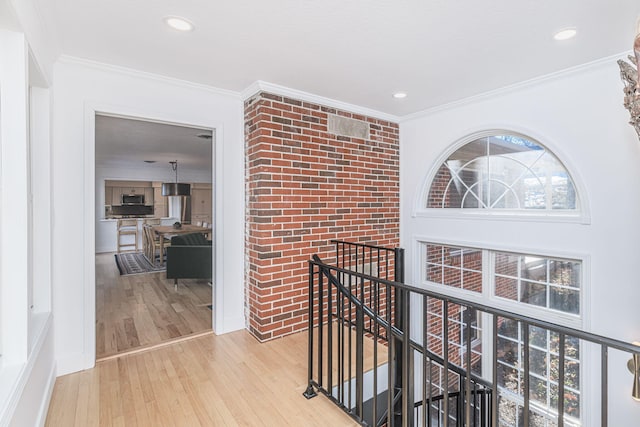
(355,51)
(127,143)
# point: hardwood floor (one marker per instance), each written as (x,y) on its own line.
(138,311)
(225,380)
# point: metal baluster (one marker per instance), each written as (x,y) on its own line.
(467,406)
(390,363)
(320,323)
(526,372)
(341,349)
(494,387)
(330,336)
(407,366)
(561,380)
(349,376)
(430,396)
(375,353)
(445,357)
(310,392)
(359,361)
(424,359)
(604,385)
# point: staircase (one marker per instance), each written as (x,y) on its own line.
(364,342)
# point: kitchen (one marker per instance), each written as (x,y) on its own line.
(143,200)
(133,159)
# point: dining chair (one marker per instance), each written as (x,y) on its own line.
(152,221)
(154,245)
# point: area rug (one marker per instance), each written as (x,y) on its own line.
(136,263)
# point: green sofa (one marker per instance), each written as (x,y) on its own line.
(189,257)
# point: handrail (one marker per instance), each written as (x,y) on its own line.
(379,308)
(396,332)
(587,336)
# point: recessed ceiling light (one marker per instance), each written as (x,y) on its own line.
(178,23)
(400,95)
(565,34)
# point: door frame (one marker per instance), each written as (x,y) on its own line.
(89,250)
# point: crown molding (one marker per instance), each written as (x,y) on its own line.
(67,59)
(262,86)
(567,72)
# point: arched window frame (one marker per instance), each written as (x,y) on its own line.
(581,215)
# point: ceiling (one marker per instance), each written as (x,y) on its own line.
(354,51)
(127,143)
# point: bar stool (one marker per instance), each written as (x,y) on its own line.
(127,227)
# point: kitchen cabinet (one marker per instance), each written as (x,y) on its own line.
(108,195)
(201,204)
(148,196)
(159,201)
(116,198)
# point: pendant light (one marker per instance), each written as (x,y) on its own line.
(175,188)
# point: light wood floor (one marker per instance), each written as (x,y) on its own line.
(138,311)
(225,380)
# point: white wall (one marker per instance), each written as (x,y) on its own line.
(578,115)
(81,90)
(27,370)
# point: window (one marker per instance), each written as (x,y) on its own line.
(505,171)
(508,176)
(547,285)
(546,282)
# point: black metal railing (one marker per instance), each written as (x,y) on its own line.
(364,356)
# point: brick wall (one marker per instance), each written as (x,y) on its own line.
(306,186)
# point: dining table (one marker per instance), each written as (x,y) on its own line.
(163,231)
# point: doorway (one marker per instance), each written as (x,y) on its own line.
(137,307)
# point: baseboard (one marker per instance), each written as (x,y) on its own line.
(25,373)
(71,363)
(44,406)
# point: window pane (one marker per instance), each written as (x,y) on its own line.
(502,172)
(534,268)
(452,277)
(472,259)
(566,273)
(565,300)
(538,337)
(533,293)
(434,273)
(472,281)
(538,361)
(507,264)
(506,288)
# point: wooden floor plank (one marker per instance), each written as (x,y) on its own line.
(142,310)
(226,380)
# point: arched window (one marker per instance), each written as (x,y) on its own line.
(503,171)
